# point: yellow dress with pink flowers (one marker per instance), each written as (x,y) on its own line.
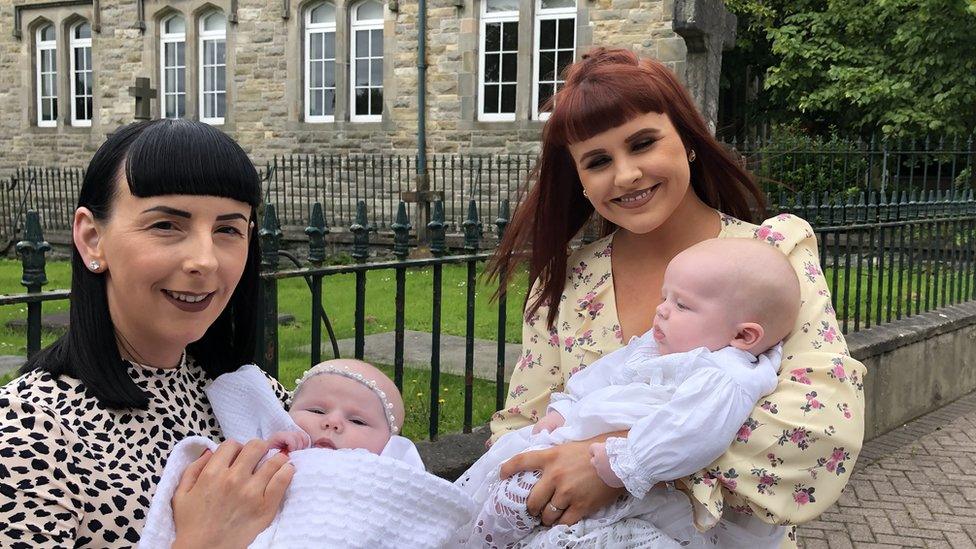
(794,454)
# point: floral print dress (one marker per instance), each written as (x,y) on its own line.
(793,455)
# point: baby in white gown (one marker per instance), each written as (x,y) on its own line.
(683,390)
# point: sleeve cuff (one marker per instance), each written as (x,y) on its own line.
(626,468)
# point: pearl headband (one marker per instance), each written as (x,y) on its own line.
(371,384)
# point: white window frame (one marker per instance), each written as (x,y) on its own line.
(310,29)
(211,36)
(164,39)
(540,16)
(44,46)
(76,44)
(367,25)
(487,18)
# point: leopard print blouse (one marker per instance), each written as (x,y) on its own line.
(74,473)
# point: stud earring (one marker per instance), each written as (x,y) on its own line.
(585,195)
(94,265)
(692,156)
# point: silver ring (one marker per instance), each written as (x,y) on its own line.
(555,509)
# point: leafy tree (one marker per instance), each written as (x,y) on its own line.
(904,67)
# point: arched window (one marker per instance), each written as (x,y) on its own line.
(172,74)
(320,63)
(498,63)
(47,76)
(366,53)
(80,44)
(555,48)
(213,68)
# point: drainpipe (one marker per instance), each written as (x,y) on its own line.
(423,185)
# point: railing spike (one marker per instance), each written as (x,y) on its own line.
(316,231)
(401,232)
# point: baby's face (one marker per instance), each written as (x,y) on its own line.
(338,412)
(694,310)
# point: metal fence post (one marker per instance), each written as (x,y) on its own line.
(270,235)
(401,250)
(472,238)
(31,250)
(437,244)
(360,252)
(316,231)
(502,224)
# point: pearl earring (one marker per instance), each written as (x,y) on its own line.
(585,195)
(94,265)
(692,156)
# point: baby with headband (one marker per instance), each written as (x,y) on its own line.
(341,435)
(343,403)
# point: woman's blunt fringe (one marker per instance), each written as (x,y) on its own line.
(605,89)
(159,157)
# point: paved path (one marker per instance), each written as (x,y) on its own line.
(912,487)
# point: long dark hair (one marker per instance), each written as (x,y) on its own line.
(159,157)
(605,89)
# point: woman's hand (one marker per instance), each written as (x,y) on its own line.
(224,501)
(569,488)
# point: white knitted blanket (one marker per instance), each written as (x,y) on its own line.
(338,498)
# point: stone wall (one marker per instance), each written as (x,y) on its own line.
(265,75)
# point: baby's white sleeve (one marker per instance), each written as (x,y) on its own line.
(691,430)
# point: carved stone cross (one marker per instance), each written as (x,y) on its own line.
(143,94)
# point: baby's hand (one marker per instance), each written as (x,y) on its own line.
(289,441)
(601,462)
(549,422)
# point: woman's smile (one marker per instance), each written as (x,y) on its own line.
(637,198)
(189,302)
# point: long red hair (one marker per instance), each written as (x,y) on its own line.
(605,89)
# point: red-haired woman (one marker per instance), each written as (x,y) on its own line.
(625,140)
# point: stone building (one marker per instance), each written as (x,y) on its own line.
(287,76)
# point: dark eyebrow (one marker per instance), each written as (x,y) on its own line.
(227,217)
(169,211)
(594,152)
(181,213)
(646,132)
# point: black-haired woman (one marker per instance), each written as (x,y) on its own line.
(164,281)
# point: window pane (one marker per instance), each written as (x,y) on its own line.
(547,65)
(208,79)
(376,101)
(54,109)
(501,5)
(79,83)
(88,62)
(369,10)
(547,34)
(551,4)
(493,38)
(315,45)
(329,69)
(170,106)
(329,102)
(208,52)
(79,56)
(362,101)
(508,98)
(221,78)
(376,42)
(181,54)
(221,105)
(88,84)
(315,68)
(46,82)
(491,67)
(545,92)
(176,25)
(510,36)
(46,110)
(362,43)
(567,32)
(491,99)
(181,80)
(180,105)
(47,33)
(315,108)
(565,59)
(169,54)
(325,13)
(362,72)
(376,72)
(329,50)
(83,31)
(80,108)
(509,67)
(215,22)
(221,52)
